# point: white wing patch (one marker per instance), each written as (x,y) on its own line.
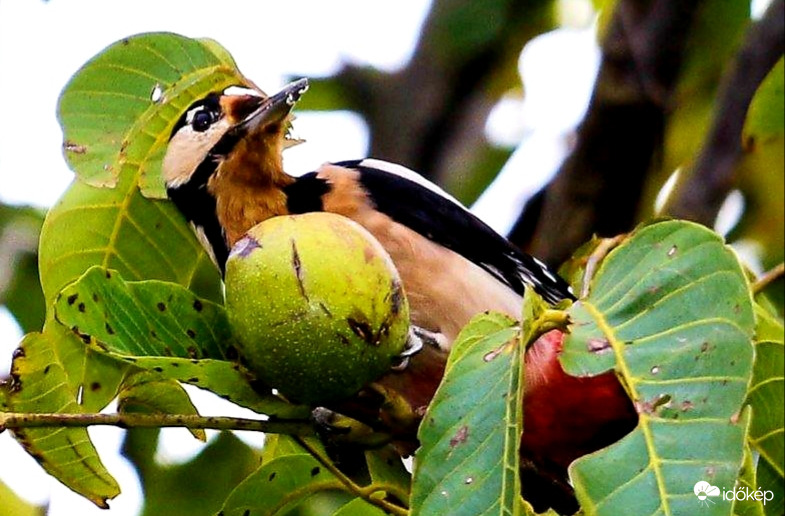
(411,175)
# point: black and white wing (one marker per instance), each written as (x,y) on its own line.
(411,200)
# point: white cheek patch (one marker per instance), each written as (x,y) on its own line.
(187,149)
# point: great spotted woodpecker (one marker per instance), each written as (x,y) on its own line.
(224,171)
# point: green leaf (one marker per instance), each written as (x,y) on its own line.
(164,328)
(220,52)
(90,378)
(765,396)
(228,380)
(388,477)
(4,396)
(145,318)
(381,466)
(388,474)
(115,135)
(538,318)
(670,310)
(766,114)
(118,110)
(761,176)
(41,385)
(278,445)
(468,459)
(747,479)
(768,326)
(140,238)
(770,480)
(147,393)
(280,485)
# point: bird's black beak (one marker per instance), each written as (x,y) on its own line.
(254,114)
(274,109)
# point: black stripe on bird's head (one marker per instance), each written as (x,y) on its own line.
(211,128)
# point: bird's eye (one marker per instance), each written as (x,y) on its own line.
(202,121)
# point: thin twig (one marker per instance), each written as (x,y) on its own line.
(767,278)
(16,420)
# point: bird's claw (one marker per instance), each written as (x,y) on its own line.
(415,341)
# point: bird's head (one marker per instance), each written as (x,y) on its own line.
(223,126)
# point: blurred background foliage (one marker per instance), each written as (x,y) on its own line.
(694,86)
(20,290)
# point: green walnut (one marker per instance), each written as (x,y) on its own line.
(316,305)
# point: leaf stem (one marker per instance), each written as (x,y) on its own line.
(365,493)
(554,320)
(767,278)
(14,420)
(599,254)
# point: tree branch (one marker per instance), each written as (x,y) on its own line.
(13,420)
(300,428)
(704,190)
(768,278)
(599,186)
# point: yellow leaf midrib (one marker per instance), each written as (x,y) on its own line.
(137,167)
(628,382)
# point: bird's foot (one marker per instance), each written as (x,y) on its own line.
(417,338)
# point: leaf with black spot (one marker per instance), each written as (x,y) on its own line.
(124,320)
(282,484)
(123,316)
(40,384)
(669,310)
(470,433)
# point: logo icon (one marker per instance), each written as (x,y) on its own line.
(704,491)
